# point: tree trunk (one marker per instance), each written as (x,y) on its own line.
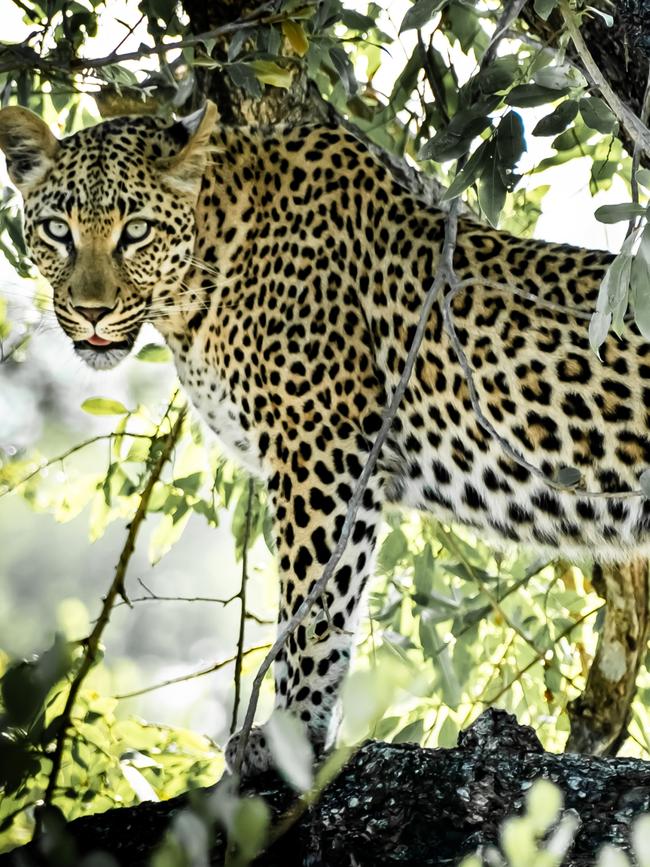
(394,804)
(600,716)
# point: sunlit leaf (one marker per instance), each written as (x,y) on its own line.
(296,37)
(155,352)
(269,72)
(103,406)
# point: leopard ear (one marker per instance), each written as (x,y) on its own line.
(28,144)
(183,172)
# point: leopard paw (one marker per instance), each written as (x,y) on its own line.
(257,756)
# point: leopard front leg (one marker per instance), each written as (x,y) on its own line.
(310,502)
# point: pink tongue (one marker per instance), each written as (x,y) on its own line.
(95,340)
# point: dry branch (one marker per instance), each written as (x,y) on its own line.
(91,645)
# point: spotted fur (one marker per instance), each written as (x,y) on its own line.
(286,270)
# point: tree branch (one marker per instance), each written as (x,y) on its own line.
(635,128)
(116,588)
(184,677)
(392,802)
(242,597)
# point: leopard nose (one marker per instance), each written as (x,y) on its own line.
(93,314)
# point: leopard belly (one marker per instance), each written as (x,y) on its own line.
(489,494)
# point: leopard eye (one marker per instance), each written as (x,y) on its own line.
(58,230)
(135,230)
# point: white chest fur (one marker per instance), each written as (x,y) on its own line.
(221,414)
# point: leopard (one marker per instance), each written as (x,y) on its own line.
(286,268)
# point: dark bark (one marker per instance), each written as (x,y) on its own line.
(401,804)
(619,51)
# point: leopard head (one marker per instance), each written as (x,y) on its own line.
(109,219)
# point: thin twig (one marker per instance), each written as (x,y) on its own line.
(242,597)
(511,12)
(184,677)
(152,597)
(541,654)
(59,458)
(128,33)
(636,156)
(258,18)
(116,588)
(444,274)
(495,601)
(635,128)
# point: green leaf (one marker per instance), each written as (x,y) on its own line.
(616,213)
(464,24)
(189,484)
(243,76)
(599,326)
(291,750)
(155,352)
(530,95)
(448,734)
(643,178)
(343,66)
(420,14)
(395,547)
(356,21)
(510,140)
(558,120)
(640,285)
(249,829)
(103,406)
(499,75)
(597,115)
(572,140)
(412,733)
(424,567)
(613,295)
(269,72)
(455,139)
(545,7)
(295,34)
(162,8)
(469,173)
(559,77)
(492,190)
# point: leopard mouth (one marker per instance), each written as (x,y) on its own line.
(103,354)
